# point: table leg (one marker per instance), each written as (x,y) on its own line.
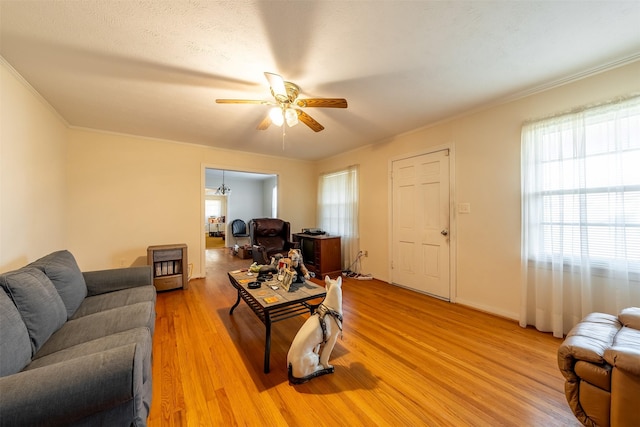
(236,304)
(312,307)
(267,342)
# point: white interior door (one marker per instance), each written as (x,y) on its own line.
(420,218)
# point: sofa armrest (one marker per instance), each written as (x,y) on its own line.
(103,281)
(587,341)
(65,392)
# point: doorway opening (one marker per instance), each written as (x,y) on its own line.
(249,195)
(215,211)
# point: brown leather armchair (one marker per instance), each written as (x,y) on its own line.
(600,360)
(269,236)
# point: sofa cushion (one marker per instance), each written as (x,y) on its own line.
(139,336)
(102,302)
(37,301)
(16,348)
(61,268)
(98,325)
(630,317)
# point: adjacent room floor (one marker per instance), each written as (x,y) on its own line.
(214,242)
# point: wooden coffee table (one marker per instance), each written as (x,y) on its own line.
(274,305)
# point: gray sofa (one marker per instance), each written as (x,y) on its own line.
(75,348)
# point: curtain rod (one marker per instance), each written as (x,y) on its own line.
(612,101)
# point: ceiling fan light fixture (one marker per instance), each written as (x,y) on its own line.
(291,116)
(276,115)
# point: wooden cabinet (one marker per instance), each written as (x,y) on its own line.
(321,254)
(170,266)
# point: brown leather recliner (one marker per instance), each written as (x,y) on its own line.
(600,360)
(269,236)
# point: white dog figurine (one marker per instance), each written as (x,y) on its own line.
(309,354)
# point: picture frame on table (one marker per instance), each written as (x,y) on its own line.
(287,279)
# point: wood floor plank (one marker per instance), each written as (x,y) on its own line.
(405,359)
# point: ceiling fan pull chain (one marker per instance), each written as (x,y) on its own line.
(283,134)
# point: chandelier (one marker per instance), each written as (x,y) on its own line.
(223,190)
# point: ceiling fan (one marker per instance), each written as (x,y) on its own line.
(287,107)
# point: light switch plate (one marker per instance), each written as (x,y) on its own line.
(464,208)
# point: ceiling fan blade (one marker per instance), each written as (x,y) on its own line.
(276,83)
(265,123)
(323,102)
(309,121)
(243,101)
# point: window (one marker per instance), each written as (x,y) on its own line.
(274,202)
(581,207)
(584,192)
(338,209)
(212,208)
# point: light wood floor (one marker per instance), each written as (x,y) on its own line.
(406,360)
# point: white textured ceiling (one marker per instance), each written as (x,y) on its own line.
(155,68)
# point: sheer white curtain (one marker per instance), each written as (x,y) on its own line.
(338,210)
(580,215)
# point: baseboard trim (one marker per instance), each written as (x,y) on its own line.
(488,309)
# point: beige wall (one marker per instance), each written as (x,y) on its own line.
(126,193)
(487,175)
(106,197)
(33,196)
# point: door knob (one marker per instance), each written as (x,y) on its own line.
(444,232)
